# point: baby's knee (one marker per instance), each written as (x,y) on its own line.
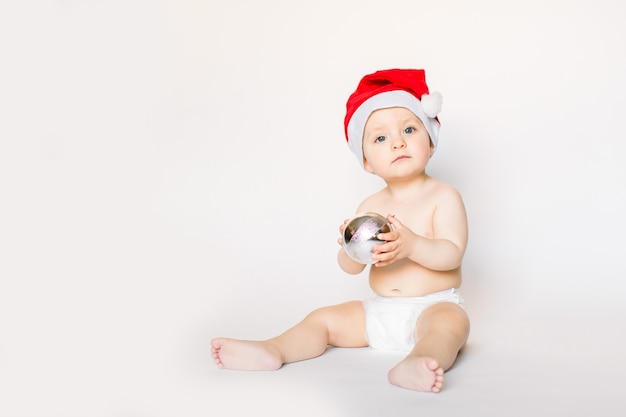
(320,314)
(448,316)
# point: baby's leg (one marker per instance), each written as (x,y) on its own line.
(441,332)
(341,325)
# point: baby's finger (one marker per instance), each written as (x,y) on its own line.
(382,248)
(395,223)
(388,237)
(383,258)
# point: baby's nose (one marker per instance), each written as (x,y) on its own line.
(397,141)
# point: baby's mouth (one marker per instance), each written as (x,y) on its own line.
(400,158)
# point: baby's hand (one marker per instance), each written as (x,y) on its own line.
(342,227)
(396,246)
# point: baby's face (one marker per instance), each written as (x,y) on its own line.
(395,143)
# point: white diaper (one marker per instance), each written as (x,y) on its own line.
(390,321)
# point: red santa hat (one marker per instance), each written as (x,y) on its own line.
(391,88)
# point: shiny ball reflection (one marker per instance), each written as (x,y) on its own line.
(359,236)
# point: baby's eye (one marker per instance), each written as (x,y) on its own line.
(409,130)
(380,139)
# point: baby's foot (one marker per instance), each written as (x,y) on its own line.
(244,355)
(417,373)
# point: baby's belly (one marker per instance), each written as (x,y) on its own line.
(411,280)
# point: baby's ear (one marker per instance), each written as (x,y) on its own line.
(367,166)
(432,148)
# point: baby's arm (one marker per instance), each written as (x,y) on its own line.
(348,265)
(443,252)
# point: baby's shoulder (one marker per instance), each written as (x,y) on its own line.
(440,186)
(369,200)
(373,201)
(439,190)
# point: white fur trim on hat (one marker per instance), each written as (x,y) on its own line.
(396,98)
(431,103)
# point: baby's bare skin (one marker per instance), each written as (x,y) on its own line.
(421,255)
(417,373)
(244,355)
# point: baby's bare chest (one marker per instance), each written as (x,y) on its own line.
(418,219)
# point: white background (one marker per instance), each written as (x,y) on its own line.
(173,171)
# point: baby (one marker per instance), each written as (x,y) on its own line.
(391,126)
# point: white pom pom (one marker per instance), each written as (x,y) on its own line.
(431,104)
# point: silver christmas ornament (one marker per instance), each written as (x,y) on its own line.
(359,236)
